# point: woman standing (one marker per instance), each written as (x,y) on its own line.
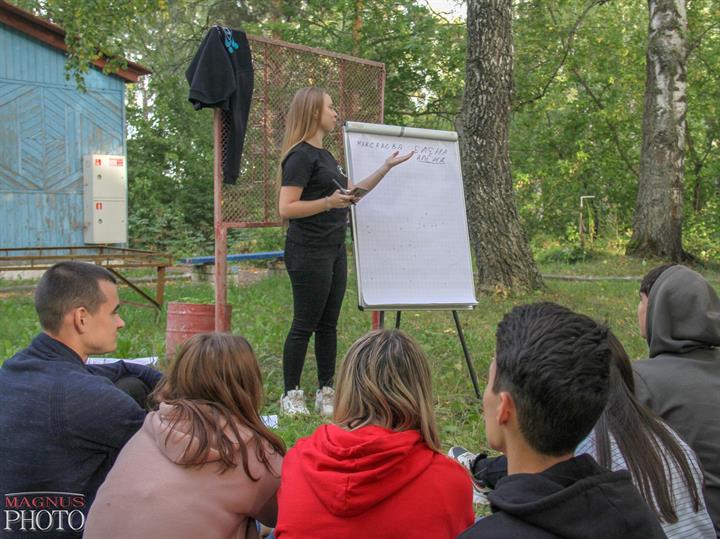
(317,211)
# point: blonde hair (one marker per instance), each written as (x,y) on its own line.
(385,381)
(301,123)
(303,117)
(214,383)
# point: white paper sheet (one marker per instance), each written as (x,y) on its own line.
(411,238)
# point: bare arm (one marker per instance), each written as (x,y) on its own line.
(291,207)
(371,181)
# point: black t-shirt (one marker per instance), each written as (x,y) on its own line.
(314,169)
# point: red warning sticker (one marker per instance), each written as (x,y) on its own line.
(116,162)
(98,205)
(98,162)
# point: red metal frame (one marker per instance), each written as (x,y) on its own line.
(221,324)
(320,52)
(220,226)
(376,316)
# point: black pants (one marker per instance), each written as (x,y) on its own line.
(319,277)
(136,388)
(490,470)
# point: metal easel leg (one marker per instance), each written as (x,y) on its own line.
(473,376)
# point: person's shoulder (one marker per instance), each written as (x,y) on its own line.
(271,462)
(303,150)
(445,471)
(86,380)
(501,525)
(21,361)
(662,370)
(446,465)
(648,368)
(95,391)
(300,447)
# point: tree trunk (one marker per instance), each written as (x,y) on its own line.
(657,224)
(357,26)
(500,245)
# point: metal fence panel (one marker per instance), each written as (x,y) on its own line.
(356,87)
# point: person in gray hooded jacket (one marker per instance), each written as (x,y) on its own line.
(679,316)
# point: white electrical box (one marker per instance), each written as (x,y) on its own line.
(105,198)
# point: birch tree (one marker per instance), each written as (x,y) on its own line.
(657,222)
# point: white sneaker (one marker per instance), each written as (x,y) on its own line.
(293,402)
(324,401)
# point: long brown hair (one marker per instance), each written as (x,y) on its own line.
(645,442)
(385,381)
(214,385)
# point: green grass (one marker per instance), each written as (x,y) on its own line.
(262,313)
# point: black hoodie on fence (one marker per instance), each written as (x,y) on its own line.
(680,381)
(576,499)
(221,76)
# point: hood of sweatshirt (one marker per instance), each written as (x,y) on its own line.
(174,440)
(352,471)
(577,498)
(683,313)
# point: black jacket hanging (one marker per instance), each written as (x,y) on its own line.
(221,76)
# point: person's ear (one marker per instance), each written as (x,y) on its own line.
(80,319)
(506,408)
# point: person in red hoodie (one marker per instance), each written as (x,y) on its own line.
(377,472)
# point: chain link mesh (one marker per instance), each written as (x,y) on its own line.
(356,87)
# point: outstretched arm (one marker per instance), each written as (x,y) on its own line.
(371,181)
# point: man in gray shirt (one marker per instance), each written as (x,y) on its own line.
(679,316)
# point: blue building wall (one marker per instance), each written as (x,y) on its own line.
(46,126)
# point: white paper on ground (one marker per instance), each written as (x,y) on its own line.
(151,360)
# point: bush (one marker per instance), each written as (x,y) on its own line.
(701,232)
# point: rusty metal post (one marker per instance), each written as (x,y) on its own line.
(160,285)
(221,323)
(378,317)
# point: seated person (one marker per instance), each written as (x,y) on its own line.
(203,464)
(547,386)
(63,422)
(628,436)
(679,316)
(376,471)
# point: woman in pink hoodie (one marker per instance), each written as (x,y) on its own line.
(203,464)
(377,472)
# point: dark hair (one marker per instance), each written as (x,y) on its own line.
(652,276)
(67,286)
(646,444)
(555,364)
(215,385)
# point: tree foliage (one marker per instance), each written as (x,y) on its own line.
(577,128)
(577,105)
(95,29)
